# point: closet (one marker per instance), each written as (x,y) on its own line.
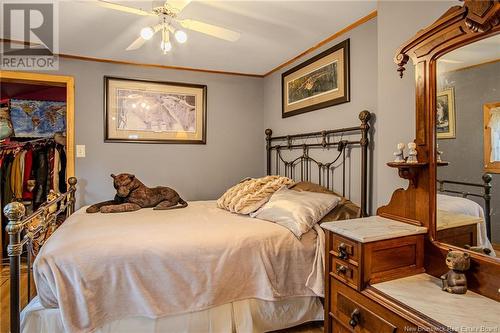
(36,139)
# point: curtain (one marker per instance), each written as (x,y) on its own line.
(494,125)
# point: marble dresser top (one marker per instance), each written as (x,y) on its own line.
(447,220)
(470,312)
(373,228)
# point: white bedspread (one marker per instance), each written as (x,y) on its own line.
(459,205)
(97,268)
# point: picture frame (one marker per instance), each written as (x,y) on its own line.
(320,82)
(445,114)
(491,137)
(146,111)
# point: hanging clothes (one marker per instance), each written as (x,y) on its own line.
(62,173)
(28,162)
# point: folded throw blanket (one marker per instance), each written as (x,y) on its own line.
(250,194)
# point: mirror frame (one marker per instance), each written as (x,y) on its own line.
(459,26)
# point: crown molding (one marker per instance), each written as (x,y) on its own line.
(325,41)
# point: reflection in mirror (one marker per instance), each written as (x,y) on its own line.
(468,139)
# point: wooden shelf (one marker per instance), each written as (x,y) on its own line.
(408,171)
(442,163)
(406,165)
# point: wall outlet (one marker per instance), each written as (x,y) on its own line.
(80,150)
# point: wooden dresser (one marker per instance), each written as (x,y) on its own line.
(360,253)
(375,283)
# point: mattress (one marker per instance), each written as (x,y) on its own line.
(99,268)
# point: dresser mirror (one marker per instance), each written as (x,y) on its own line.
(455,86)
(468,146)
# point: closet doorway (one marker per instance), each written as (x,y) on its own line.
(36,150)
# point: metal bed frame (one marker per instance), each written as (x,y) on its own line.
(21,237)
(485,195)
(325,170)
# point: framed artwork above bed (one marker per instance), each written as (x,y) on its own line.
(317,83)
(145,111)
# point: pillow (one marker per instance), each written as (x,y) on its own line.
(297,211)
(250,194)
(345,209)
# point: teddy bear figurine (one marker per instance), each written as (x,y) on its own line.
(399,155)
(455,281)
(412,153)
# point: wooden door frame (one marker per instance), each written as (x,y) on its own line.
(54,80)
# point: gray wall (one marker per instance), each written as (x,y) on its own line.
(473,88)
(197,172)
(398,21)
(363,50)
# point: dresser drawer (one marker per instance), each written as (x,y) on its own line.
(351,314)
(350,311)
(345,249)
(347,273)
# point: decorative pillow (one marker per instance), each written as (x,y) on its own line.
(250,194)
(6,129)
(297,211)
(345,209)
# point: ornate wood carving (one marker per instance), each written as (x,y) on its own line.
(460,25)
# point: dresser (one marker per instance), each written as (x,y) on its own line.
(376,283)
(363,252)
(457,229)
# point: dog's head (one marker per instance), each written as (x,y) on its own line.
(124,183)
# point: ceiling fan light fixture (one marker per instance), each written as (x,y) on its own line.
(165,46)
(180,36)
(147,33)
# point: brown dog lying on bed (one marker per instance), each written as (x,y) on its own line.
(132,195)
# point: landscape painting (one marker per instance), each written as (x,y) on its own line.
(445,114)
(142,111)
(317,83)
(37,119)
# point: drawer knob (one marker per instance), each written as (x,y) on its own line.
(341,269)
(355,316)
(342,251)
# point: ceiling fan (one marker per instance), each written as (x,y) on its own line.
(170,24)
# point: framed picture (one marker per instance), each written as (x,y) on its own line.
(317,83)
(154,112)
(445,114)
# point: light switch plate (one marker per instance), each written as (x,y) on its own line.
(80,150)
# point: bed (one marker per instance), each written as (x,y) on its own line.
(453,203)
(194,269)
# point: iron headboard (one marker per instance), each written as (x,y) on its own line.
(325,170)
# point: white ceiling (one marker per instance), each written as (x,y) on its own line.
(483,51)
(272,32)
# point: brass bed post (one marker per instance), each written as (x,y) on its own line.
(269,133)
(71,195)
(365,117)
(14,212)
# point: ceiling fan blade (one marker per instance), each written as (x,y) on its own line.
(210,29)
(139,42)
(179,5)
(121,8)
(136,44)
